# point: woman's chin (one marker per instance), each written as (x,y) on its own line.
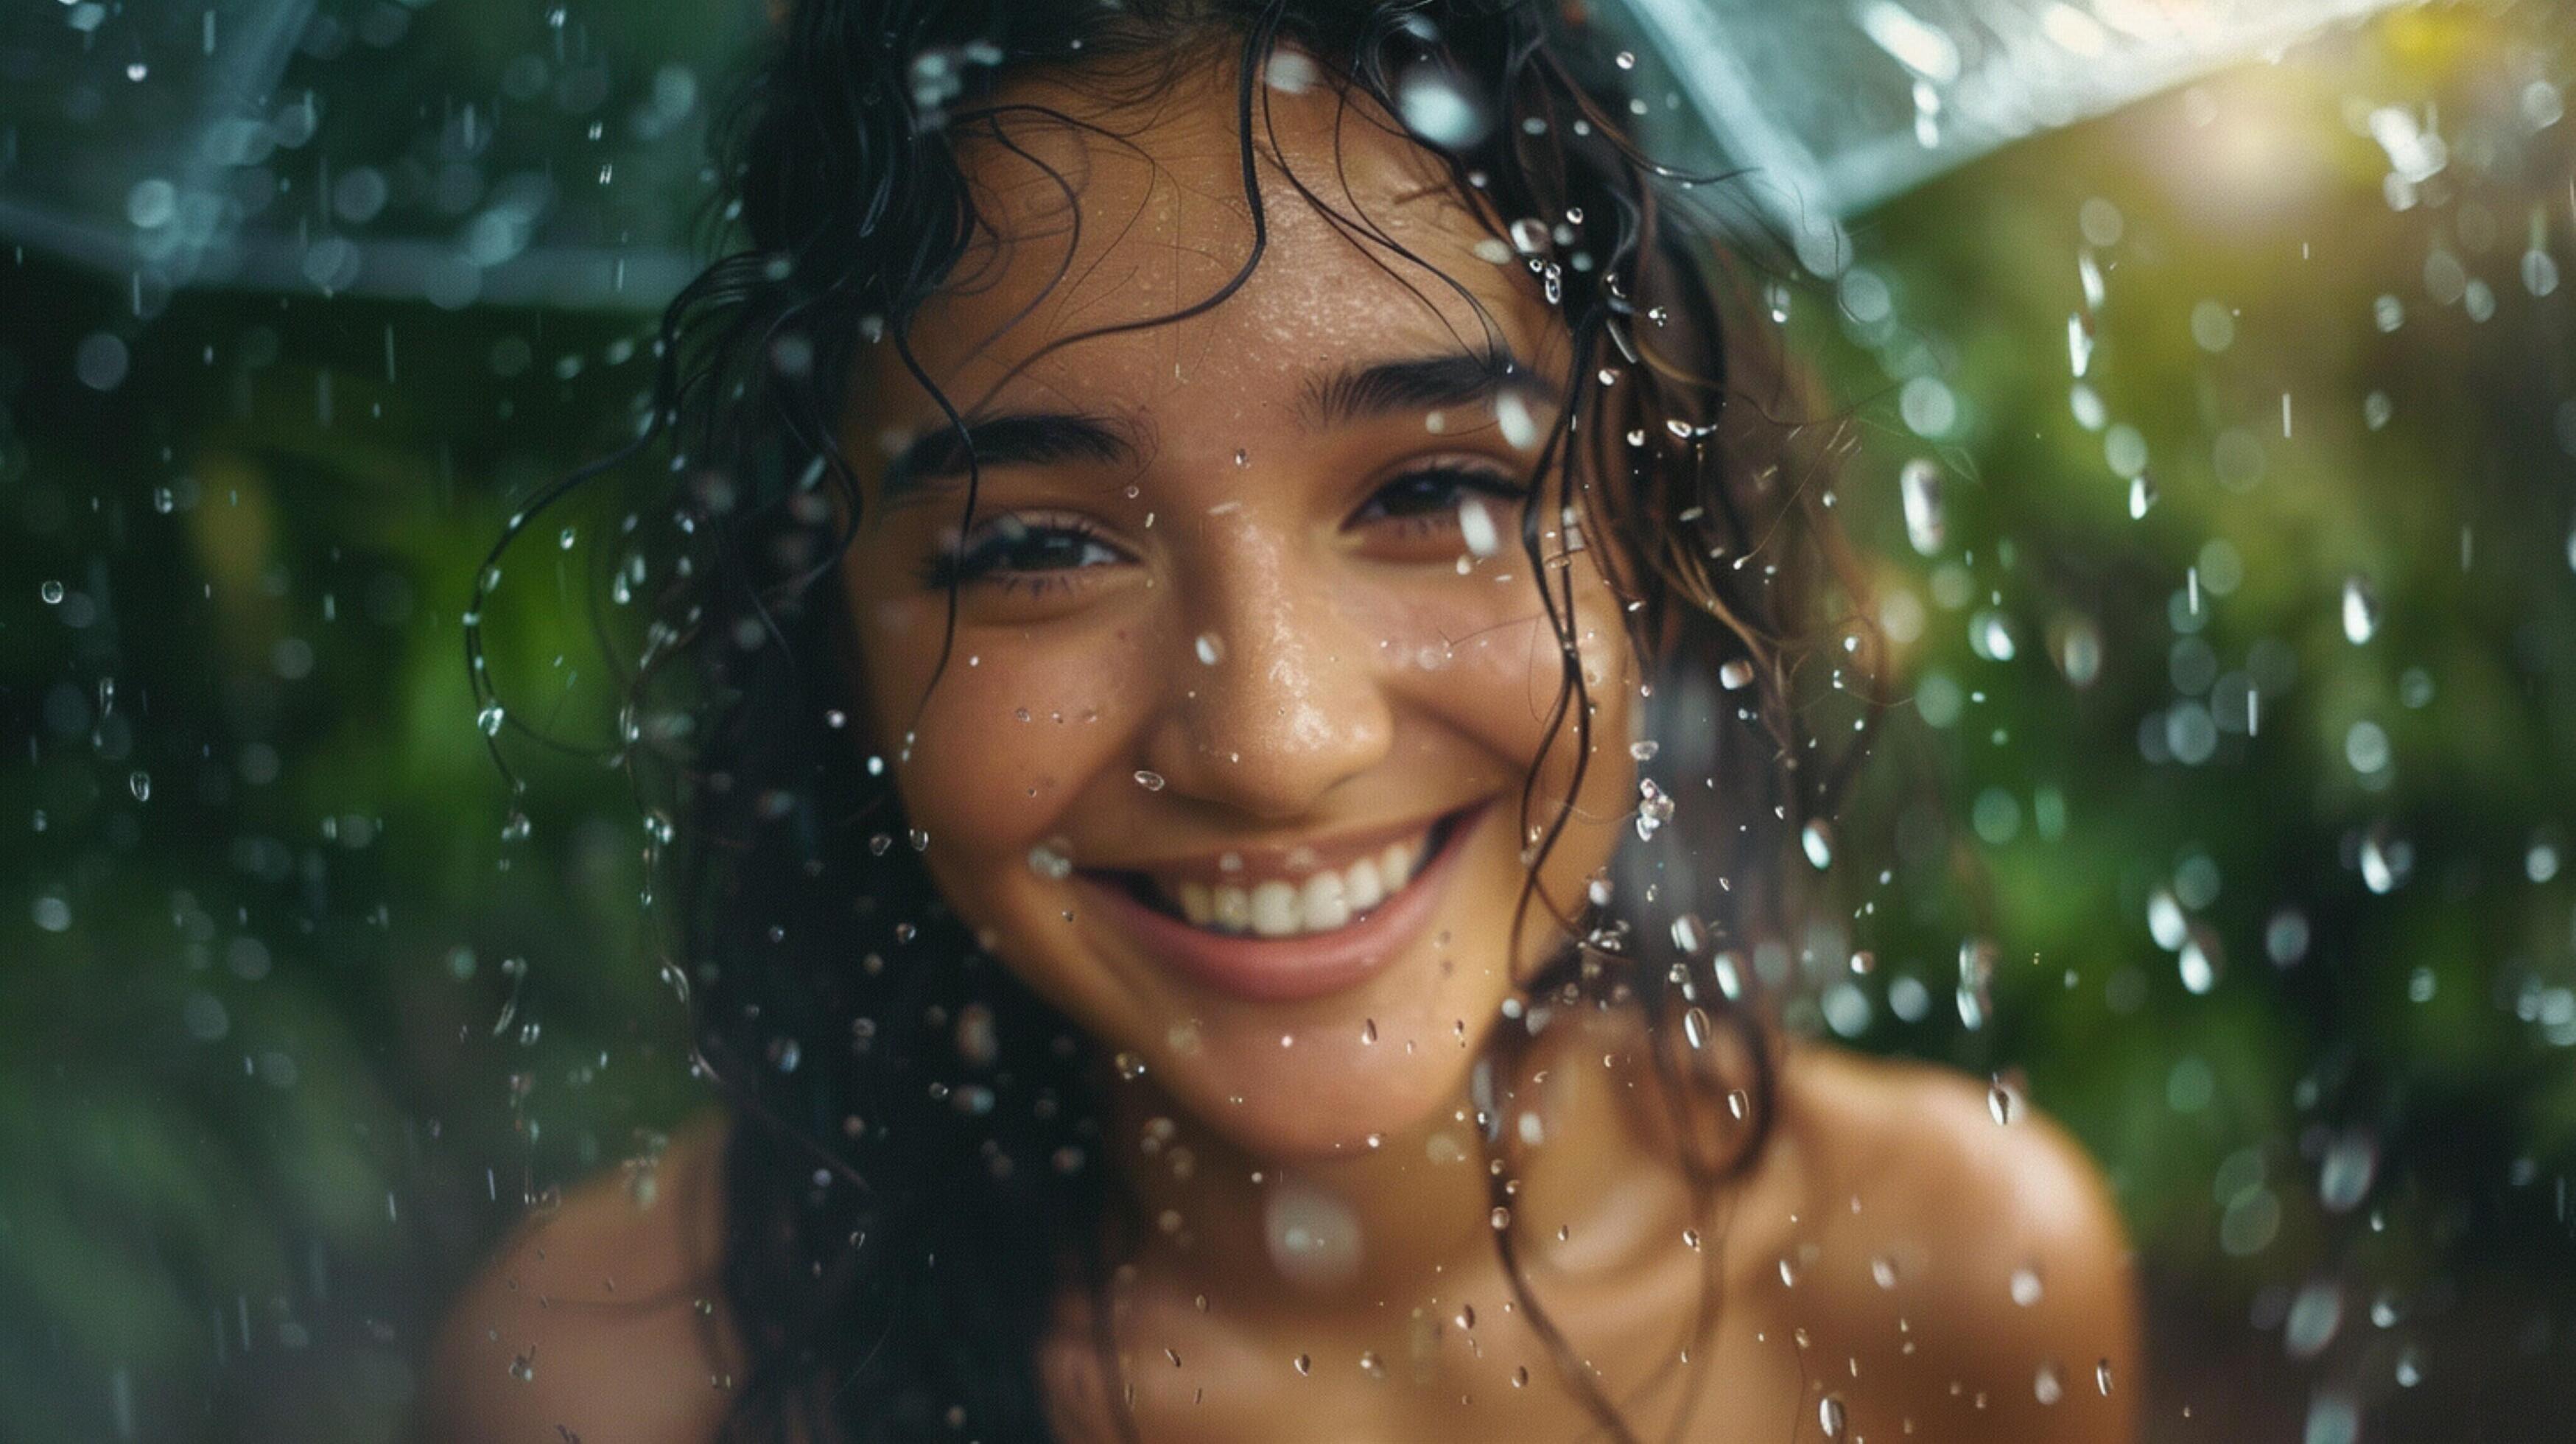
(1320,1099)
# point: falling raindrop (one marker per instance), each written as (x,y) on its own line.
(2142,495)
(1920,484)
(2046,1386)
(1436,106)
(1735,675)
(2344,1177)
(1654,808)
(2360,611)
(139,782)
(2198,964)
(1696,1026)
(1686,935)
(490,719)
(1817,840)
(1476,528)
(52,593)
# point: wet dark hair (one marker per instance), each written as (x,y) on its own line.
(916,1169)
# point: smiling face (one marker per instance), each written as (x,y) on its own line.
(1249,665)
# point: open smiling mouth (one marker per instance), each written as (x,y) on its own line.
(1325,900)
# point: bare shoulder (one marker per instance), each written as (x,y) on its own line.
(1978,1270)
(596,1321)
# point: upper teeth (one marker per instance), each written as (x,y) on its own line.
(1318,903)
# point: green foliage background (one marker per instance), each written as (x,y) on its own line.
(289,1029)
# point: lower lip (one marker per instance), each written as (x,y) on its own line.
(1291,970)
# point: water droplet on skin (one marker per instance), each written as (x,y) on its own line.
(2102,1377)
(524,1367)
(2045,1386)
(1637,437)
(2026,1288)
(1690,1239)
(1372,1365)
(1738,1104)
(568,538)
(1735,675)
(1368,1031)
(1829,1416)
(2360,611)
(1644,751)
(1305,1364)
(1882,1271)
(1500,1218)
(2000,1104)
(1150,780)
(1695,1027)
(1211,649)
(1520,1377)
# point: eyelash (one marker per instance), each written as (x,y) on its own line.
(982,559)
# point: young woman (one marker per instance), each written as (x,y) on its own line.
(1254,651)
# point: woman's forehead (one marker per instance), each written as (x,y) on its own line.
(1098,213)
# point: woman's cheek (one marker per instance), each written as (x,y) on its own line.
(990,754)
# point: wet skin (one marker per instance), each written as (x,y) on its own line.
(1255,592)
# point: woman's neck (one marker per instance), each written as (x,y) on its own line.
(1410,1220)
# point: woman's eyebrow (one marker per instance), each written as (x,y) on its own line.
(1358,393)
(1010,439)
(1343,397)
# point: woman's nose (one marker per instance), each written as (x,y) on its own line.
(1273,697)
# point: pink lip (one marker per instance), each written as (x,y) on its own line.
(1290,970)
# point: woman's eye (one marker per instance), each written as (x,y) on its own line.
(1012,548)
(1433,495)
